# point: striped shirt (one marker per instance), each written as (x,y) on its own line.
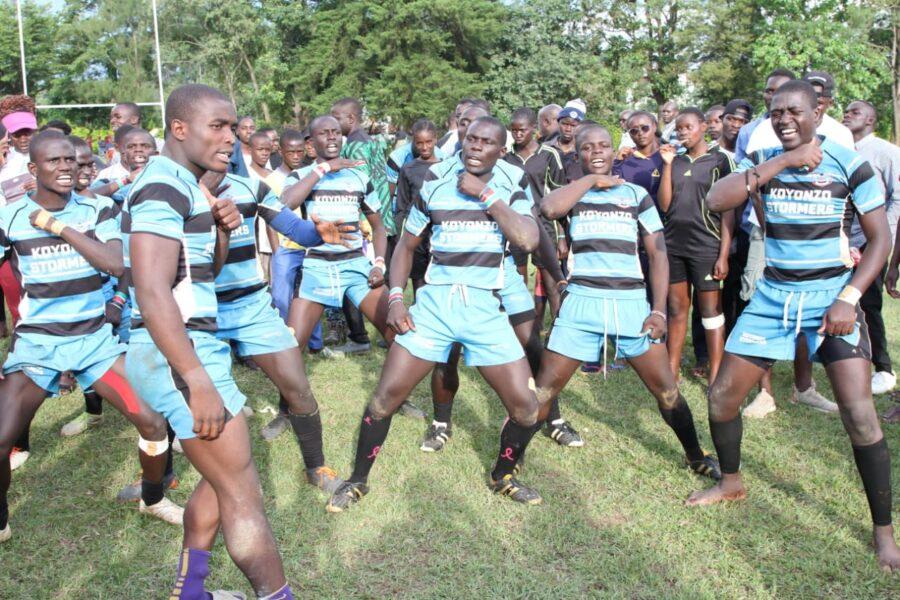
(605,227)
(467,245)
(62,294)
(338,195)
(166,200)
(809,213)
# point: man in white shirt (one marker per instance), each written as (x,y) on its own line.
(764,135)
(860,117)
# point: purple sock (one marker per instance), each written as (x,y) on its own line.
(193,569)
(283,594)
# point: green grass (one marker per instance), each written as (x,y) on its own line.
(612,524)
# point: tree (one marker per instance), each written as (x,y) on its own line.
(39,28)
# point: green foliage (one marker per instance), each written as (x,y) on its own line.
(285,60)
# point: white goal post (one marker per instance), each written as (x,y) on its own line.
(160,103)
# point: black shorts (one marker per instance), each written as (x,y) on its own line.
(421,258)
(696,270)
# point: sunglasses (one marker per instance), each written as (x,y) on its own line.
(641,129)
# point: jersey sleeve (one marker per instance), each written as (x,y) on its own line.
(107,227)
(521,199)
(394,164)
(648,216)
(370,202)
(864,186)
(161,209)
(269,205)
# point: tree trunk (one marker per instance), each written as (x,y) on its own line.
(250,70)
(895,69)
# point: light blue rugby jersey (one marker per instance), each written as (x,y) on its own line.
(166,200)
(467,245)
(62,294)
(400,157)
(240,275)
(339,195)
(808,216)
(605,226)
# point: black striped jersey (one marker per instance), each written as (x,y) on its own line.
(62,294)
(605,226)
(338,195)
(809,214)
(467,245)
(691,229)
(166,200)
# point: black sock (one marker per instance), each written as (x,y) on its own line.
(443,412)
(282,406)
(554,414)
(151,493)
(680,419)
(170,467)
(874,465)
(727,438)
(93,405)
(308,430)
(4,514)
(514,439)
(24,441)
(372,433)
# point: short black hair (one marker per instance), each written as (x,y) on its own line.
(134,108)
(42,139)
(642,113)
(351,103)
(495,123)
(693,110)
(423,125)
(121,132)
(781,72)
(266,130)
(184,99)
(524,113)
(720,107)
(57,124)
(587,127)
(316,121)
(134,131)
(291,135)
(798,86)
(482,103)
(79,143)
(244,117)
(259,135)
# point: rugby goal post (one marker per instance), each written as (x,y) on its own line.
(160,103)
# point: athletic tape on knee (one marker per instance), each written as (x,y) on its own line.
(713,322)
(153,448)
(123,389)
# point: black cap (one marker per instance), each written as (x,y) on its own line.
(305,133)
(738,106)
(823,79)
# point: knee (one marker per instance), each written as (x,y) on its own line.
(151,426)
(861,424)
(667,397)
(300,399)
(381,406)
(525,412)
(678,309)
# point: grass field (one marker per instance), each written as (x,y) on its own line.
(612,525)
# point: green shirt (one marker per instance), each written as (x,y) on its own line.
(360,146)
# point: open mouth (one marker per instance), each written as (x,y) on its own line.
(331,147)
(788,132)
(139,160)
(64,180)
(223,156)
(473,161)
(598,162)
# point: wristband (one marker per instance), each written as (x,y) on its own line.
(660,313)
(850,295)
(394,300)
(115,304)
(321,169)
(119,298)
(395,291)
(487,196)
(379,265)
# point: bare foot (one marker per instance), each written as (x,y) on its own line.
(730,488)
(886,548)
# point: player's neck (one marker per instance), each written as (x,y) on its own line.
(176,155)
(49,199)
(649,149)
(528,149)
(699,150)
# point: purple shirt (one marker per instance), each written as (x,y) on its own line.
(641,170)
